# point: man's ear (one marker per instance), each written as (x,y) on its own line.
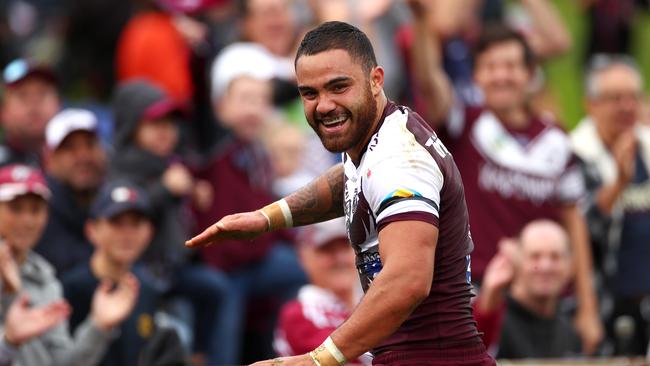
(377,80)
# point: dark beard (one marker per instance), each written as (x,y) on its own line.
(364,117)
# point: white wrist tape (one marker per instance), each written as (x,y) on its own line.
(334,351)
(286,212)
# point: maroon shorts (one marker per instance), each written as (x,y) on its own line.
(475,355)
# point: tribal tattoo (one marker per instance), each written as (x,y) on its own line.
(320,200)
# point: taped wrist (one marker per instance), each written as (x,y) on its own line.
(327,354)
(278,215)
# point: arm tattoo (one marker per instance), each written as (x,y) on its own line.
(320,200)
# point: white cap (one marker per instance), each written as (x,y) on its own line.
(67,121)
(241,59)
(323,233)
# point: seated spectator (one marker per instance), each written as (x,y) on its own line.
(327,301)
(120,229)
(241,179)
(29,101)
(75,165)
(146,139)
(22,321)
(517,307)
(615,149)
(23,214)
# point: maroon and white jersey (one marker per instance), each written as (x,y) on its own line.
(406,173)
(511,177)
(307,321)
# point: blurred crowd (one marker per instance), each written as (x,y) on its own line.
(126,128)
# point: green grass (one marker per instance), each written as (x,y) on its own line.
(565,74)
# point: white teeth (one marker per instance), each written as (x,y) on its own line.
(334,121)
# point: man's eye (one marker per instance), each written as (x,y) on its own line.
(339,88)
(308,94)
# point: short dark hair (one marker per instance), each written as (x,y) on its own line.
(494,33)
(338,36)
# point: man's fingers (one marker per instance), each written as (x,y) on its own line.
(206,237)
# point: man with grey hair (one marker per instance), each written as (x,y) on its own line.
(615,150)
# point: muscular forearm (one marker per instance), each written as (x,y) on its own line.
(320,200)
(380,313)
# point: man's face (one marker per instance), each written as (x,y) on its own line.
(79,161)
(616,104)
(271,23)
(338,98)
(545,263)
(501,72)
(122,238)
(158,136)
(330,266)
(22,221)
(26,109)
(245,107)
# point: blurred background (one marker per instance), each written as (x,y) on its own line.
(195,102)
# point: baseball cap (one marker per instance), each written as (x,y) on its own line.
(164,107)
(323,233)
(118,197)
(18,180)
(19,69)
(66,122)
(241,59)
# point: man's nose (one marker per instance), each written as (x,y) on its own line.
(325,105)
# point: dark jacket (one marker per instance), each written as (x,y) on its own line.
(64,242)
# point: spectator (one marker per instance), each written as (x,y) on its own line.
(23,322)
(533,270)
(75,164)
(30,100)
(23,214)
(517,166)
(615,149)
(146,138)
(327,301)
(241,179)
(286,145)
(120,229)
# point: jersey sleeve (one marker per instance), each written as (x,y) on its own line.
(404,182)
(571,185)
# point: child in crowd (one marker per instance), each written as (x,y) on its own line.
(120,229)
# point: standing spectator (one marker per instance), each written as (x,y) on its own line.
(517,166)
(120,229)
(23,214)
(146,138)
(327,301)
(75,164)
(29,101)
(241,179)
(533,271)
(615,149)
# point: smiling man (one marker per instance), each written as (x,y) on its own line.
(404,208)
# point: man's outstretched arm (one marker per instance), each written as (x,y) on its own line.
(320,200)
